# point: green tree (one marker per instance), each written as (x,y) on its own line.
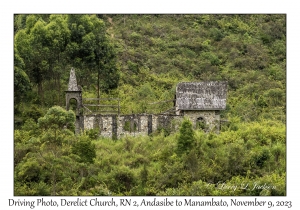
(57,124)
(41,45)
(91,52)
(32,47)
(57,127)
(57,118)
(48,44)
(21,80)
(186,139)
(57,37)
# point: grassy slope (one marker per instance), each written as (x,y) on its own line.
(155,52)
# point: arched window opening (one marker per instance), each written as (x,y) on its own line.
(73,105)
(130,126)
(126,125)
(200,123)
(135,126)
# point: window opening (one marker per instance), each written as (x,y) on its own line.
(200,123)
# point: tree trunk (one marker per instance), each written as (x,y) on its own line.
(59,102)
(98,85)
(41,92)
(98,89)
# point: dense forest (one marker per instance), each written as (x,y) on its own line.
(140,59)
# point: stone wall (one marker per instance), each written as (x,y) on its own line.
(118,126)
(115,126)
(210,118)
(132,125)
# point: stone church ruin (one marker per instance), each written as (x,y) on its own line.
(201,102)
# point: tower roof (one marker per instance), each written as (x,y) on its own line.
(209,95)
(72,81)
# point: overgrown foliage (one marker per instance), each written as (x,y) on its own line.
(252,156)
(140,59)
(47,46)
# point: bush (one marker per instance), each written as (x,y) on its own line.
(122,180)
(85,149)
(29,170)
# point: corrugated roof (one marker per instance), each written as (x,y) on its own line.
(210,95)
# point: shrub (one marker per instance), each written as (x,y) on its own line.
(122,180)
(85,149)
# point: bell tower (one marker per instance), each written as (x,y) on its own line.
(74,92)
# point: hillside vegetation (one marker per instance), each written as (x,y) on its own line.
(140,59)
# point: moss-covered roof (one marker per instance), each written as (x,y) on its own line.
(209,95)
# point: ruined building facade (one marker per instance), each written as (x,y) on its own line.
(201,102)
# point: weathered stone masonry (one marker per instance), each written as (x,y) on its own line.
(201,102)
(132,125)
